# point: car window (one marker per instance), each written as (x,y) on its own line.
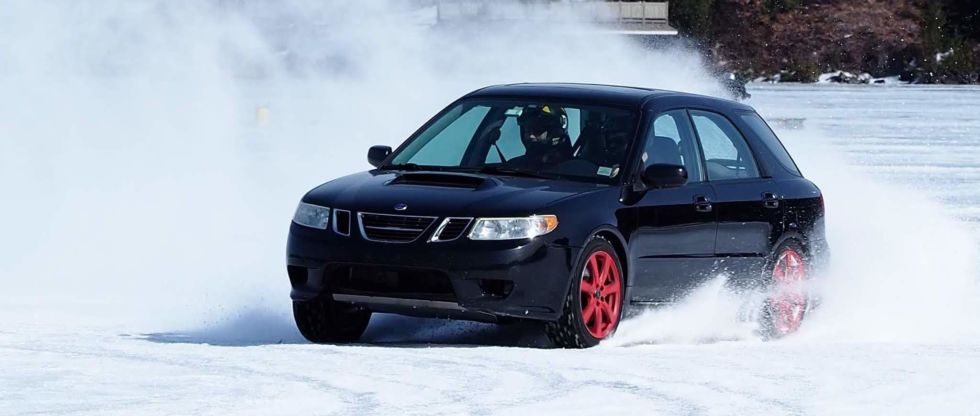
(726,154)
(769,139)
(671,141)
(574,124)
(509,144)
(446,148)
(517,136)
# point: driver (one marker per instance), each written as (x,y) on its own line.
(545,138)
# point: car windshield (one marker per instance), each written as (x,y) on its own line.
(535,139)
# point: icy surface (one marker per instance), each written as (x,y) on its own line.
(925,139)
(151,154)
(62,355)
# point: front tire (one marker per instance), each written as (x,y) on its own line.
(593,306)
(322,320)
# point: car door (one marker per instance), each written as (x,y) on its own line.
(673,245)
(745,204)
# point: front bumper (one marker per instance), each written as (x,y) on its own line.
(478,280)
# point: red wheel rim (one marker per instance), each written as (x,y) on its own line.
(789,302)
(601,294)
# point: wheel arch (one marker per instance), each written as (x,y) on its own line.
(764,268)
(816,251)
(792,234)
(571,329)
(611,234)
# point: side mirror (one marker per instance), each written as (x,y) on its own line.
(664,176)
(378,154)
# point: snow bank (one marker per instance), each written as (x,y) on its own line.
(844,77)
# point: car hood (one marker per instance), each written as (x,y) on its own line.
(445,193)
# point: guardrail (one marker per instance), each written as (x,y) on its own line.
(599,11)
(638,11)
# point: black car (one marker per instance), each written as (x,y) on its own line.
(565,203)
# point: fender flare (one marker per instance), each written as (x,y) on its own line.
(792,234)
(624,260)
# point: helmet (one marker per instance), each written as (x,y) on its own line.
(542,127)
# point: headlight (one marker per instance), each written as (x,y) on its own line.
(311,215)
(513,228)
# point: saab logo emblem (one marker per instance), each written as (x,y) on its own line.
(401,206)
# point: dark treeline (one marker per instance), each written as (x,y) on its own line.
(924,41)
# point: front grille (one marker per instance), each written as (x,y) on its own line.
(451,229)
(341,222)
(393,228)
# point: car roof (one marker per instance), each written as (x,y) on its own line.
(600,94)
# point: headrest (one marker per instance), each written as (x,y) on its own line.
(663,150)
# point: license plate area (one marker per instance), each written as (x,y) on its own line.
(404,283)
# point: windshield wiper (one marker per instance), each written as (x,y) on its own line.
(485,169)
(408,166)
(497,170)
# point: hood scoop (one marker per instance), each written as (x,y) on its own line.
(444,180)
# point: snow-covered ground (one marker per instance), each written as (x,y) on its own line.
(892,340)
(91,371)
(151,154)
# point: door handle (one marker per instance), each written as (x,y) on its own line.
(702,204)
(770,200)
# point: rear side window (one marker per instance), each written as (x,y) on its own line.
(671,141)
(762,130)
(726,155)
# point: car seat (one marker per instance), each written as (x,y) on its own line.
(664,151)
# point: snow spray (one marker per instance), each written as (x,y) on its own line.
(902,270)
(152,153)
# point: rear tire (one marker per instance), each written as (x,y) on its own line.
(593,306)
(788,297)
(323,320)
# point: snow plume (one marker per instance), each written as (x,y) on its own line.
(902,270)
(711,313)
(151,153)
